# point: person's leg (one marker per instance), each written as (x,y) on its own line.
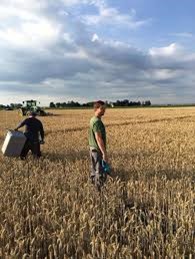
(93,162)
(98,174)
(25,150)
(36,150)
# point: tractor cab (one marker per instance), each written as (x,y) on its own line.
(31,106)
(30,103)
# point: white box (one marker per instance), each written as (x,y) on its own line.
(14,143)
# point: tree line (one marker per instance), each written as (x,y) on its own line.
(118,103)
(73,104)
(11,106)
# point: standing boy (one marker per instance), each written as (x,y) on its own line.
(97,144)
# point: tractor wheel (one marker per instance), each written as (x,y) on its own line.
(41,113)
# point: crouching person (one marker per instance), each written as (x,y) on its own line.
(97,144)
(34,133)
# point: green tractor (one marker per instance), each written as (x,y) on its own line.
(31,106)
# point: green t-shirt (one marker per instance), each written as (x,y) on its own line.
(96,125)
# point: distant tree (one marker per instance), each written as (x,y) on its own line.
(15,105)
(125,102)
(117,103)
(52,105)
(19,105)
(2,106)
(89,104)
(146,103)
(58,105)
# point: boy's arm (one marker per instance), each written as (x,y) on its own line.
(101,145)
(42,132)
(20,125)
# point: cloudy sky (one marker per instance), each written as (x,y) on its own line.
(82,50)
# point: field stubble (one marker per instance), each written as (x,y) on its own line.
(49,209)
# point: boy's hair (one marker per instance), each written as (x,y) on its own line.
(98,104)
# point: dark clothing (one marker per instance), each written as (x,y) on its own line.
(34,133)
(33,127)
(34,147)
(98,177)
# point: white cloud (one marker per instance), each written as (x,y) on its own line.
(67,37)
(25,25)
(78,54)
(95,37)
(107,15)
(173,56)
(111,16)
(70,2)
(164,74)
(172,49)
(24,9)
(15,12)
(37,34)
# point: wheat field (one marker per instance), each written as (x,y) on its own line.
(49,208)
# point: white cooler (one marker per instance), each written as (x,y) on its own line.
(14,143)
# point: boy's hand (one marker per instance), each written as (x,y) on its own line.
(105,157)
